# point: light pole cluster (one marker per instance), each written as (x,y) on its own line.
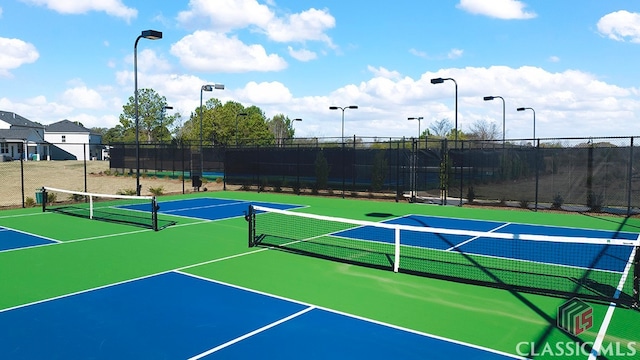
(150,35)
(486,98)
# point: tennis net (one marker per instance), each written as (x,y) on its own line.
(127,209)
(598,268)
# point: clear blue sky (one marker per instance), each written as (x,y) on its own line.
(574,62)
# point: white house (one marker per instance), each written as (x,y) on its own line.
(21,138)
(71,141)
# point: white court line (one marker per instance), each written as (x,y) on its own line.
(131,280)
(457,342)
(595,349)
(477,237)
(53,241)
(250,334)
(180,270)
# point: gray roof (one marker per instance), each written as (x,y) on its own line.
(15,134)
(66,126)
(14,119)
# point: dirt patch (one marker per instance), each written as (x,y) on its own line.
(70,175)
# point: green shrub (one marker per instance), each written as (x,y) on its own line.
(471,194)
(594,201)
(524,204)
(277,185)
(557,202)
(76,197)
(51,197)
(29,202)
(157,191)
(127,192)
(219,180)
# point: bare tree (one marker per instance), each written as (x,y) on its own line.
(483,130)
(441,127)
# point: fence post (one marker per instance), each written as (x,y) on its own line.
(398,171)
(22,178)
(537,159)
(84,149)
(629,190)
(461,169)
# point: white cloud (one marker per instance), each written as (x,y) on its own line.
(266,93)
(455,53)
(15,53)
(0,12)
(418,53)
(307,25)
(83,98)
(451,55)
(384,73)
(215,52)
(149,61)
(225,15)
(500,9)
(554,59)
(112,7)
(213,48)
(302,54)
(620,26)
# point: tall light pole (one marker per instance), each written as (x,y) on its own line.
(150,35)
(164,109)
(488,98)
(419,119)
(534,119)
(297,119)
(343,108)
(205,88)
(440,81)
(238,114)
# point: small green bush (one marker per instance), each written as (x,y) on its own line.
(127,192)
(76,197)
(157,191)
(558,200)
(471,194)
(29,202)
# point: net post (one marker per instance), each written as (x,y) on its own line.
(44,199)
(154,213)
(250,217)
(396,261)
(90,206)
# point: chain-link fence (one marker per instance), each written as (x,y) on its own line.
(591,174)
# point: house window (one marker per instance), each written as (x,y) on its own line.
(4,148)
(64,138)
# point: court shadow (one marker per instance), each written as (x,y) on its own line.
(379,215)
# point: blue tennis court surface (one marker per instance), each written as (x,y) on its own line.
(174,315)
(592,256)
(207,208)
(12,239)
